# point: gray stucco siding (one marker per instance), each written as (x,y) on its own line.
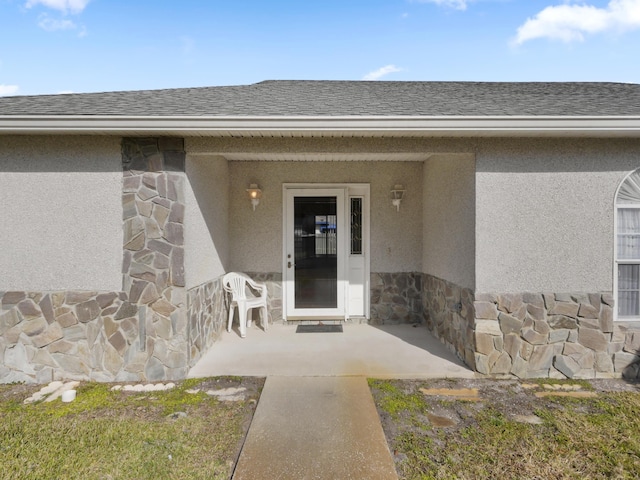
(61,199)
(396,236)
(206,219)
(449,218)
(544,213)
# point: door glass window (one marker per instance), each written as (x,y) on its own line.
(315,252)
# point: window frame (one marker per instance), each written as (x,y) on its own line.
(622,261)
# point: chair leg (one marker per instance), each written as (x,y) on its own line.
(264,318)
(230,321)
(242,317)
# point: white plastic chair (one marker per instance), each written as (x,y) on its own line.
(241,297)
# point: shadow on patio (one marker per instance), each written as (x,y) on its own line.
(382,351)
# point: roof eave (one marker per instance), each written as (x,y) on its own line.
(327,126)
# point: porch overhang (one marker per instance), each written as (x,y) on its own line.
(306,126)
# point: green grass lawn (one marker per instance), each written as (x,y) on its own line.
(122,435)
(575,439)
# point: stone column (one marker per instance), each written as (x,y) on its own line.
(153,259)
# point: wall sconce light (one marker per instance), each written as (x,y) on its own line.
(254,195)
(397,194)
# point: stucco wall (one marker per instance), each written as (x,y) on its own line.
(396,243)
(62,213)
(544,213)
(206,219)
(449,219)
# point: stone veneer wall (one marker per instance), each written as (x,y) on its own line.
(81,335)
(64,335)
(557,335)
(139,333)
(396,298)
(449,315)
(207,313)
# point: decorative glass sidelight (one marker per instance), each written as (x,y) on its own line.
(356,225)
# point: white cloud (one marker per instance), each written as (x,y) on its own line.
(65,6)
(6,90)
(456,4)
(65,92)
(572,22)
(381,72)
(51,24)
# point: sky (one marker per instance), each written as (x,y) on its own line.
(63,46)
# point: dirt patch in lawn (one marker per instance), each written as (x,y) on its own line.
(484,428)
(17,392)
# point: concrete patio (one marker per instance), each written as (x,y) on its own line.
(316,418)
(383,351)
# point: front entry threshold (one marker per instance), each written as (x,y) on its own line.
(315,321)
(326,320)
(315,318)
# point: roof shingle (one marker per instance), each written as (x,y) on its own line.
(286,98)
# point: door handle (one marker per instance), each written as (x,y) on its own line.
(289,264)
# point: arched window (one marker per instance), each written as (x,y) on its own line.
(627,256)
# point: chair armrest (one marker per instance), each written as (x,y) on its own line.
(258,286)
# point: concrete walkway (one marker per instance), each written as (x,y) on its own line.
(315,428)
(385,351)
(316,418)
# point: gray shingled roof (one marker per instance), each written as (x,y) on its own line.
(346,98)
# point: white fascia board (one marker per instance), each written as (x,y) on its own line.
(523,125)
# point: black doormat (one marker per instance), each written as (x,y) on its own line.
(319,328)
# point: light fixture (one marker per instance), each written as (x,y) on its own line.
(397,194)
(254,195)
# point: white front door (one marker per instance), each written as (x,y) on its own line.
(325,260)
(315,253)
